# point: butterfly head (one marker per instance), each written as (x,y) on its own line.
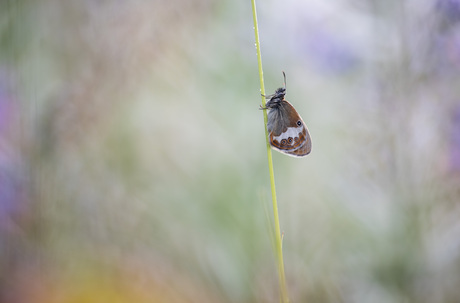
(277,97)
(280,92)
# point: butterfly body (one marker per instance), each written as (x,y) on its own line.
(287,132)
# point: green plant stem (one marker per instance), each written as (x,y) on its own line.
(278,243)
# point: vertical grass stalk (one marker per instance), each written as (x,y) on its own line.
(278,243)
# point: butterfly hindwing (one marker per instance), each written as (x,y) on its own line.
(287,131)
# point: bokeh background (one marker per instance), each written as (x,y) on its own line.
(133,165)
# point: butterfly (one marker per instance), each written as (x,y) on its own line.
(287,132)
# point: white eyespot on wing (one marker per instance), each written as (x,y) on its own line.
(290,132)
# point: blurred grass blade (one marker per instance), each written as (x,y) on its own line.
(278,245)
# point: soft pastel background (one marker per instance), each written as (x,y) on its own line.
(133,165)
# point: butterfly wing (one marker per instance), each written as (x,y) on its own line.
(287,131)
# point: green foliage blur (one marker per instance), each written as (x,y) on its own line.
(133,161)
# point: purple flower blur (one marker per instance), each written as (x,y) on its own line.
(12,195)
(450,9)
(330,53)
(454,161)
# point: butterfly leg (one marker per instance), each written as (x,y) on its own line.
(267,96)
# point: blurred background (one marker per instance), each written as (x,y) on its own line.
(132,153)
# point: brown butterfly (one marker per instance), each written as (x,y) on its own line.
(287,132)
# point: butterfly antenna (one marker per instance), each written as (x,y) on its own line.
(284,75)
